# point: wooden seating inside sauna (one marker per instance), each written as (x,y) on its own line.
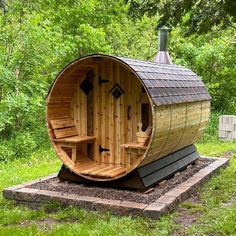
(93,115)
(66,135)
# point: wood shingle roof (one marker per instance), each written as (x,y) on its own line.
(168,83)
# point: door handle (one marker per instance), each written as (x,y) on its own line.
(101,149)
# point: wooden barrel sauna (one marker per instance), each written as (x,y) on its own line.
(98,103)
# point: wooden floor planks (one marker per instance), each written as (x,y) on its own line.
(100,170)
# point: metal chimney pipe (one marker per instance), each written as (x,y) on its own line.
(163,56)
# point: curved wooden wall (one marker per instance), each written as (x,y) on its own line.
(177,126)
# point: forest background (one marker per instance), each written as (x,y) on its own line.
(39,38)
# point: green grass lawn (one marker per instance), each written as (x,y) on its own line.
(216,207)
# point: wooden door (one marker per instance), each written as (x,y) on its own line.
(117,110)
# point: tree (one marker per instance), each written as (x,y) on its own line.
(212,56)
(197,16)
(38,38)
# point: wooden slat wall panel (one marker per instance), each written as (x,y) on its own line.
(55,112)
(96,115)
(103,103)
(186,123)
(178,127)
(204,120)
(107,70)
(111,116)
(76,106)
(63,91)
(194,111)
(63,133)
(129,131)
(59,100)
(62,123)
(117,116)
(111,125)
(161,132)
(123,116)
(69,80)
(136,101)
(83,112)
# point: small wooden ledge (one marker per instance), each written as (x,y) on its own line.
(133,145)
(76,139)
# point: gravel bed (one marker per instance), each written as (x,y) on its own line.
(123,194)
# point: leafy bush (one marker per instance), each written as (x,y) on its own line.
(212,57)
(17,147)
(24,144)
(6,151)
(211,132)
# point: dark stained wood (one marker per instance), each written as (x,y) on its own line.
(165,161)
(169,170)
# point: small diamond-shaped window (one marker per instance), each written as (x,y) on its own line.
(116,91)
(86,86)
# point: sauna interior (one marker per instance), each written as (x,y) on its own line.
(95,110)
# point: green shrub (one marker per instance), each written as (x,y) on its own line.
(24,144)
(6,151)
(211,132)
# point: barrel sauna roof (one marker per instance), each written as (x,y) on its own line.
(165,83)
(168,83)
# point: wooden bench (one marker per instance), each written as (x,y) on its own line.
(66,135)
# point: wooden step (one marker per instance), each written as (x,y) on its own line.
(100,170)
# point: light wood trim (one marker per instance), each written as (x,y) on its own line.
(133,146)
(77,139)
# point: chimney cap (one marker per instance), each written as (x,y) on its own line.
(163,27)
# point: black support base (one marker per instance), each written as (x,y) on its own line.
(143,177)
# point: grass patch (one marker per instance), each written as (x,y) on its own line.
(218,198)
(216,221)
(192,207)
(18,171)
(69,221)
(215,148)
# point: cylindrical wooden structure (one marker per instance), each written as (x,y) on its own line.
(96,104)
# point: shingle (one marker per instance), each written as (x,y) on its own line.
(169,83)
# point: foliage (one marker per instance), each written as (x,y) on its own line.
(196,16)
(212,57)
(38,40)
